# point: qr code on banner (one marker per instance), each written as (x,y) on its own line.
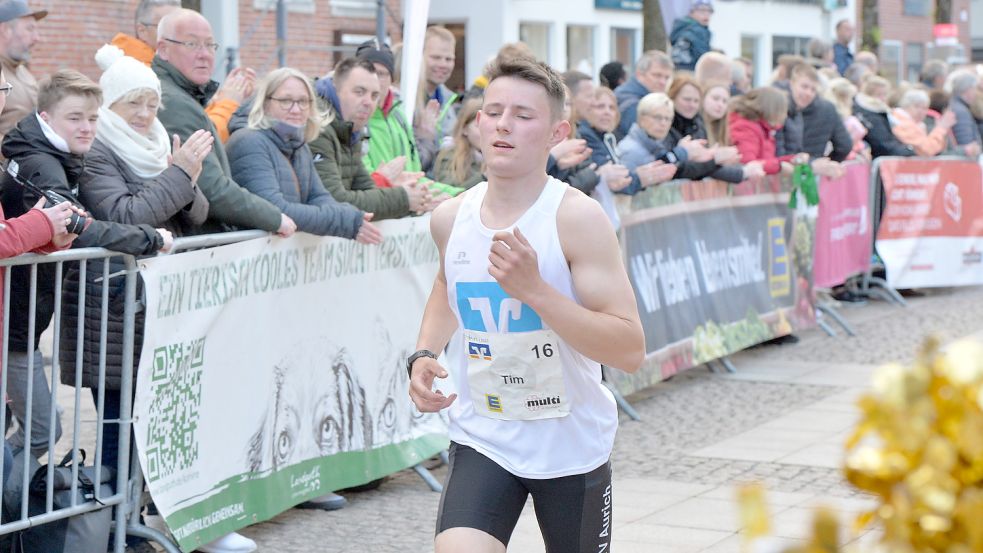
(172,442)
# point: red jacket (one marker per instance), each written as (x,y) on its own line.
(755,140)
(31,232)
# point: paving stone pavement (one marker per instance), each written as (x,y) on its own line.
(780,420)
(682,420)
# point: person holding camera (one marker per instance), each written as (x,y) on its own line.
(48,148)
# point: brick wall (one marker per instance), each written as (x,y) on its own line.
(896,26)
(75,29)
(310,36)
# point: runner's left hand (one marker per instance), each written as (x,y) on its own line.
(515,265)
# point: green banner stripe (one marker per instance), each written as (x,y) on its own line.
(248,498)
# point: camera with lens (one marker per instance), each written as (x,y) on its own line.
(76,223)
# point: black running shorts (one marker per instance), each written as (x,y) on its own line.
(574,512)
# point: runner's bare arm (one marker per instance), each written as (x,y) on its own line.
(438,323)
(605,325)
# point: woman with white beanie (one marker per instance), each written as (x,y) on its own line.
(133,174)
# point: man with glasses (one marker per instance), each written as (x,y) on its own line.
(18,35)
(184,62)
(238,85)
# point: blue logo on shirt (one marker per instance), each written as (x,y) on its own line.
(485,307)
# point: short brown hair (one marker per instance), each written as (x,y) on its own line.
(804,70)
(63,83)
(536,72)
(345,67)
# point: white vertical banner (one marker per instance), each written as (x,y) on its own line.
(414,29)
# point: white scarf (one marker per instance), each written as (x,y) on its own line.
(57,141)
(146,155)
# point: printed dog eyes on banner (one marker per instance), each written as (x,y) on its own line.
(485,307)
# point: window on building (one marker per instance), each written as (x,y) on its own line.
(537,38)
(580,49)
(749,50)
(623,46)
(890,60)
(919,8)
(914,57)
(307,6)
(781,45)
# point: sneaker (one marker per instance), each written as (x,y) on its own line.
(230,543)
(328,502)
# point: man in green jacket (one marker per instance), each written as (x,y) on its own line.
(390,134)
(184,63)
(352,92)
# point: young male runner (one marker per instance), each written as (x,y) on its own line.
(533,292)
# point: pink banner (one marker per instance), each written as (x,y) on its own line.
(843,227)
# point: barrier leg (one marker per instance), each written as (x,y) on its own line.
(822,324)
(878,287)
(711,367)
(445,457)
(827,309)
(428,478)
(728,365)
(622,402)
(155,536)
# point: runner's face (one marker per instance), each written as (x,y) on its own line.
(517,128)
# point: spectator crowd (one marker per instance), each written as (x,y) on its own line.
(157,150)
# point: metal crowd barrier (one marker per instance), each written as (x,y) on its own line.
(128,497)
(22,518)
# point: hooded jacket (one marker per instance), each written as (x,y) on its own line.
(338,159)
(755,141)
(690,40)
(58,171)
(230,205)
(276,164)
(628,96)
(111,191)
(873,114)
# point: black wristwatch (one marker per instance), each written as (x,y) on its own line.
(412,359)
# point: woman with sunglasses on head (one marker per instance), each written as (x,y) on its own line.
(269,156)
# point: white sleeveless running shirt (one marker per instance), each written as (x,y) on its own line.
(579,433)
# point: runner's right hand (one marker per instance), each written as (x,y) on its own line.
(426,399)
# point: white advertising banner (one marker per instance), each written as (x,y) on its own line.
(272,372)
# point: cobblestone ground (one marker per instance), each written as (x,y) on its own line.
(693,410)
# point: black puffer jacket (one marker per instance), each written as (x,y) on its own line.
(110,190)
(52,169)
(822,125)
(696,170)
(872,113)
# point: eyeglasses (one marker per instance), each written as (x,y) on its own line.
(6,88)
(658,118)
(287,104)
(195,46)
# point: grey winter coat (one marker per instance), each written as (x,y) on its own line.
(111,191)
(279,167)
(965,130)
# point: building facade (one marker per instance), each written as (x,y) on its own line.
(586,34)
(907,38)
(318,31)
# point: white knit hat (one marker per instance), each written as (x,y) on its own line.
(122,74)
